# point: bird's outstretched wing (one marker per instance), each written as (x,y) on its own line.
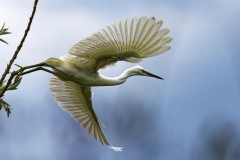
(76,100)
(129,40)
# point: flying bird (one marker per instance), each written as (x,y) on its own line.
(129,40)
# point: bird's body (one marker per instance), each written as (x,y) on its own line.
(68,71)
(130,40)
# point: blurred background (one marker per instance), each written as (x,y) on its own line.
(194,114)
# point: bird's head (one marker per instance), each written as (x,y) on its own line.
(138,70)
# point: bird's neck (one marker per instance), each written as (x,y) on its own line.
(107,81)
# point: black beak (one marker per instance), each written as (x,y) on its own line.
(153,75)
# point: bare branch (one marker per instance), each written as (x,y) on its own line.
(16,52)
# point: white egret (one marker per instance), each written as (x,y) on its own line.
(129,40)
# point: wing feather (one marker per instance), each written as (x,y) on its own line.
(116,36)
(119,34)
(129,40)
(76,100)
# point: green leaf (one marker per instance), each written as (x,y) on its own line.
(4,31)
(3,41)
(3,26)
(16,82)
(6,106)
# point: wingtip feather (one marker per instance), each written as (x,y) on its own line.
(116,149)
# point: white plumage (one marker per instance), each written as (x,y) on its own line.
(129,40)
(76,100)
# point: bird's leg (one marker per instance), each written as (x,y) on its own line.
(37,69)
(35,65)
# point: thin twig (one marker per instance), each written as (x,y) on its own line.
(10,79)
(17,51)
(21,43)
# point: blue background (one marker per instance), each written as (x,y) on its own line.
(194,114)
